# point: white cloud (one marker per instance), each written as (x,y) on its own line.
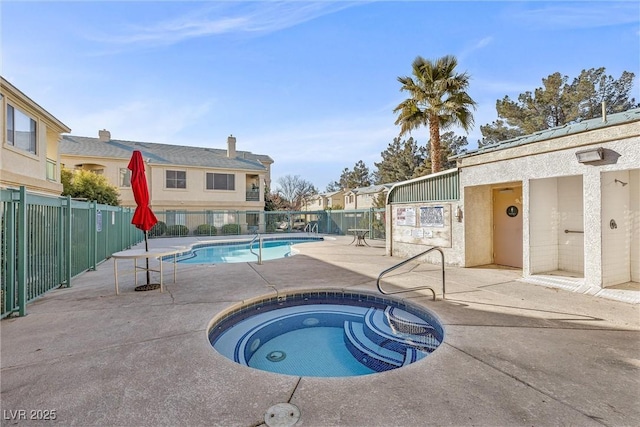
(217,18)
(478,45)
(579,15)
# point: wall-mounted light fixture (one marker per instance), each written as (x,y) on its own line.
(590,155)
(459,214)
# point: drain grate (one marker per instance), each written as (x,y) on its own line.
(276,356)
(282,415)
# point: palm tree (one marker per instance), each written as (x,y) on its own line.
(437,99)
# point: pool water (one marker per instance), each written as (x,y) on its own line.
(299,349)
(217,253)
(326,334)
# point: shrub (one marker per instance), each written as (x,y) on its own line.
(177,230)
(230,229)
(158,230)
(205,230)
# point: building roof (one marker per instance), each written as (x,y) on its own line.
(372,189)
(556,132)
(5,85)
(167,154)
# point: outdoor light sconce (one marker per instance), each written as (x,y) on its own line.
(459,214)
(590,155)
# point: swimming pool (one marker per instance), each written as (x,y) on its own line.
(326,333)
(240,251)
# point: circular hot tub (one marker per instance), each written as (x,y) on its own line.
(326,333)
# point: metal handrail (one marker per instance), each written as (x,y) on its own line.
(312,229)
(259,254)
(400,264)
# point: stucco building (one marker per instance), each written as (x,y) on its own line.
(365,197)
(218,184)
(29,154)
(323,201)
(180,177)
(562,204)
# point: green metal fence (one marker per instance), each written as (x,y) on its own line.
(224,223)
(46,241)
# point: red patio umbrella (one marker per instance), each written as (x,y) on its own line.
(143,217)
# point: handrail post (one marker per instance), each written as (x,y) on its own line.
(400,264)
(259,254)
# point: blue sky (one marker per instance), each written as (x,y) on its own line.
(311,84)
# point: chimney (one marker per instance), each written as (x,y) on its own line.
(231,146)
(104,135)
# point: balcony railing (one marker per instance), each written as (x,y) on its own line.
(253,196)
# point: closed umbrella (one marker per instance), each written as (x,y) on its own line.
(143,217)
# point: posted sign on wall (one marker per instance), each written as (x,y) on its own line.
(432,216)
(406,216)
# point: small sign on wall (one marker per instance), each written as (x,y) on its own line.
(417,233)
(99,221)
(406,216)
(432,216)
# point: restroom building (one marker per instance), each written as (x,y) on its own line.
(562,205)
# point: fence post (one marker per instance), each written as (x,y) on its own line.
(60,241)
(67,241)
(92,234)
(371,223)
(22,252)
(10,227)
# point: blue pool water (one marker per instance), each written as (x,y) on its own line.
(326,334)
(228,252)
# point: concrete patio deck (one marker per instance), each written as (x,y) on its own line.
(514,353)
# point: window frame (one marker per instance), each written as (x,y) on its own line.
(12,113)
(125,178)
(213,184)
(177,180)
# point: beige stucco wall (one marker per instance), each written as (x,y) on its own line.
(634,221)
(475,240)
(195,197)
(406,239)
(522,164)
(22,168)
(558,194)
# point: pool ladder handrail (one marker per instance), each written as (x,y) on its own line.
(312,229)
(400,264)
(259,254)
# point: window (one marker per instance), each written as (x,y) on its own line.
(176,179)
(21,130)
(125,177)
(51,170)
(221,181)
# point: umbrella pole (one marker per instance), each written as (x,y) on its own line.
(148,286)
(146,248)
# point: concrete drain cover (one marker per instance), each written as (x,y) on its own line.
(282,415)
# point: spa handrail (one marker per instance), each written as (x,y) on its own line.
(259,254)
(400,264)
